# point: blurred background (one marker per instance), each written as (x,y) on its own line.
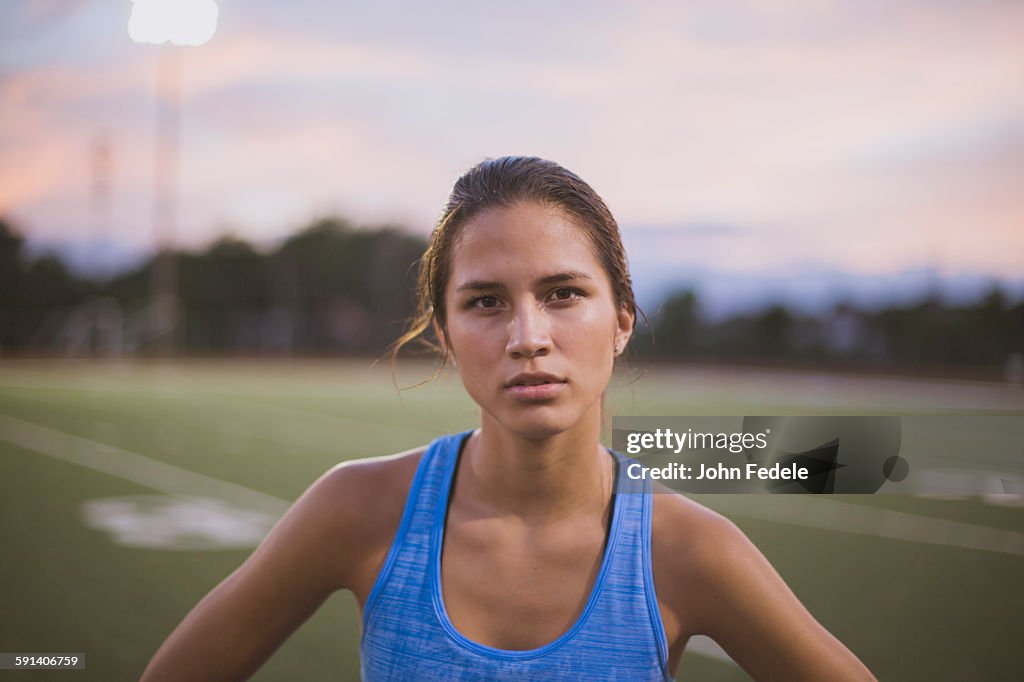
(210,214)
(828,184)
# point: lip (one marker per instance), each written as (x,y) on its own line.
(535,386)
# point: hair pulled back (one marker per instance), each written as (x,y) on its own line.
(500,183)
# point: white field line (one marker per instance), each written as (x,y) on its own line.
(705,646)
(174,480)
(798,510)
(825,514)
(818,511)
(132,467)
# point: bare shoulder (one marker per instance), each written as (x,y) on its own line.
(678,522)
(361,504)
(710,579)
(690,544)
(691,536)
(332,538)
(369,483)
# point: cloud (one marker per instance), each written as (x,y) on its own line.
(815,129)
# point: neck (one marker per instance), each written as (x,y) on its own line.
(538,478)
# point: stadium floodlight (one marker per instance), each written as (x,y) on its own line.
(180,22)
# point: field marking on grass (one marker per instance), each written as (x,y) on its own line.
(819,512)
(180,482)
(133,467)
(177,522)
(705,646)
(827,514)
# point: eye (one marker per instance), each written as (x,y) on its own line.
(566,294)
(484,302)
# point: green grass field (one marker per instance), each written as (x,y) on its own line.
(77,576)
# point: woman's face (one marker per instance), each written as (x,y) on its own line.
(532,321)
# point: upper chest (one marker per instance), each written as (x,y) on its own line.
(513,585)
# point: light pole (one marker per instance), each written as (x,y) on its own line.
(180,23)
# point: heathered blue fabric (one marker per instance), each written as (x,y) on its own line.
(407,635)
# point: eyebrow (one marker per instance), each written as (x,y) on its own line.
(569,276)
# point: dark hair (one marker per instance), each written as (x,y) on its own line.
(503,182)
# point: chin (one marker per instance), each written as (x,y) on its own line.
(538,423)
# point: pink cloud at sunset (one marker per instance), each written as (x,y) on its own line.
(864,136)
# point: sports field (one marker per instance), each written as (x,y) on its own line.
(128,490)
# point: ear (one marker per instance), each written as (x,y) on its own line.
(624,331)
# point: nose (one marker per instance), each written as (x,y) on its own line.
(528,333)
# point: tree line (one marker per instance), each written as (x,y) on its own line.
(331,288)
(985,336)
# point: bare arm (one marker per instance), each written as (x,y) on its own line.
(711,580)
(307,556)
(757,619)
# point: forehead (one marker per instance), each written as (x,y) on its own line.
(525,240)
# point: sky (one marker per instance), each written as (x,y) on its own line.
(755,138)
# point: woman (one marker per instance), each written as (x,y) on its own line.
(512,551)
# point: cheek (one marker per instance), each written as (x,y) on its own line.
(475,339)
(587,345)
(476,350)
(594,329)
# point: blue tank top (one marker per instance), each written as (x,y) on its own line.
(407,634)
